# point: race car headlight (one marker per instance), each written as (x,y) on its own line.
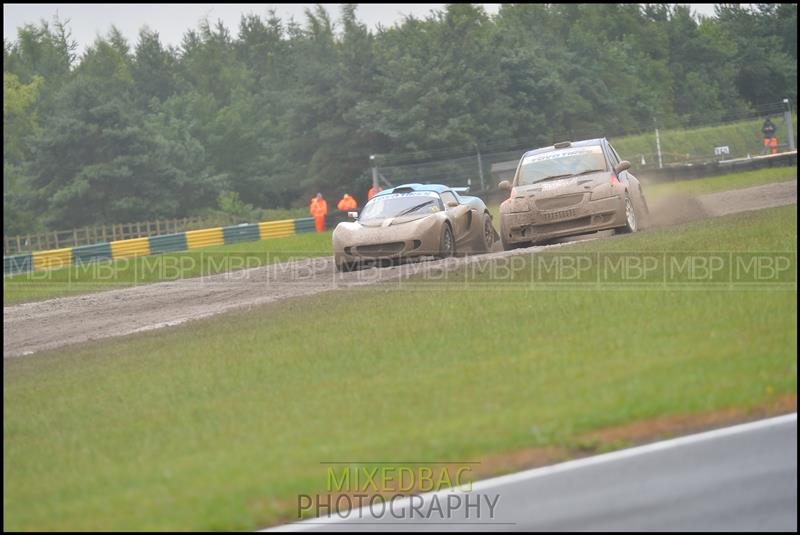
(516,205)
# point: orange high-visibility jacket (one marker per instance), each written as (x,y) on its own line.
(372,192)
(347,203)
(318,207)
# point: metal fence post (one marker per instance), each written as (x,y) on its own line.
(480,166)
(787,117)
(658,149)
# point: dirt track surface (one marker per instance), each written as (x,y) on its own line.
(33,327)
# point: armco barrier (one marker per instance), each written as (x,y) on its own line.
(168,243)
(240,233)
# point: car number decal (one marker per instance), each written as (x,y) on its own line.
(565,153)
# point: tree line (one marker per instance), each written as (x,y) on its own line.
(270,114)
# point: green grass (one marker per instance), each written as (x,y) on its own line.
(97,276)
(221,423)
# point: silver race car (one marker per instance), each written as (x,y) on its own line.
(414,220)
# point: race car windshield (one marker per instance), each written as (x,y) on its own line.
(561,164)
(399,204)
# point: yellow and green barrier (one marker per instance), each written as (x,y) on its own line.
(196,239)
(130,248)
(53,259)
(276,229)
(17,264)
(304,225)
(89,253)
(240,233)
(169,243)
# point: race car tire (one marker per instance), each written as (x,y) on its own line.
(447,245)
(489,234)
(342,266)
(630,216)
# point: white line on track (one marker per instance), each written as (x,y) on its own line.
(554,469)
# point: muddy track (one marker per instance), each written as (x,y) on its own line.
(33,327)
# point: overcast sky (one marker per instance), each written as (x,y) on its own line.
(172,20)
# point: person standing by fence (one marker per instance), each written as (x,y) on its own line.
(770,141)
(318,209)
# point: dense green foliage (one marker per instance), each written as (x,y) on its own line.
(280,110)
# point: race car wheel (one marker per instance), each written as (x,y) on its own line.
(448,243)
(343,266)
(630,216)
(508,246)
(489,235)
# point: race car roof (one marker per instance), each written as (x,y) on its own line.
(584,143)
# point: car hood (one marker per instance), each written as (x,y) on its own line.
(391,221)
(384,230)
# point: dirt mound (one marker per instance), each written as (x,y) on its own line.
(675,210)
(678,209)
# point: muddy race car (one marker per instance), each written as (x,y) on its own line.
(414,220)
(569,189)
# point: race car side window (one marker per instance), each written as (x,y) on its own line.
(448,197)
(613,159)
(614,152)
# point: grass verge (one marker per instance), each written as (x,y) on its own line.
(221,423)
